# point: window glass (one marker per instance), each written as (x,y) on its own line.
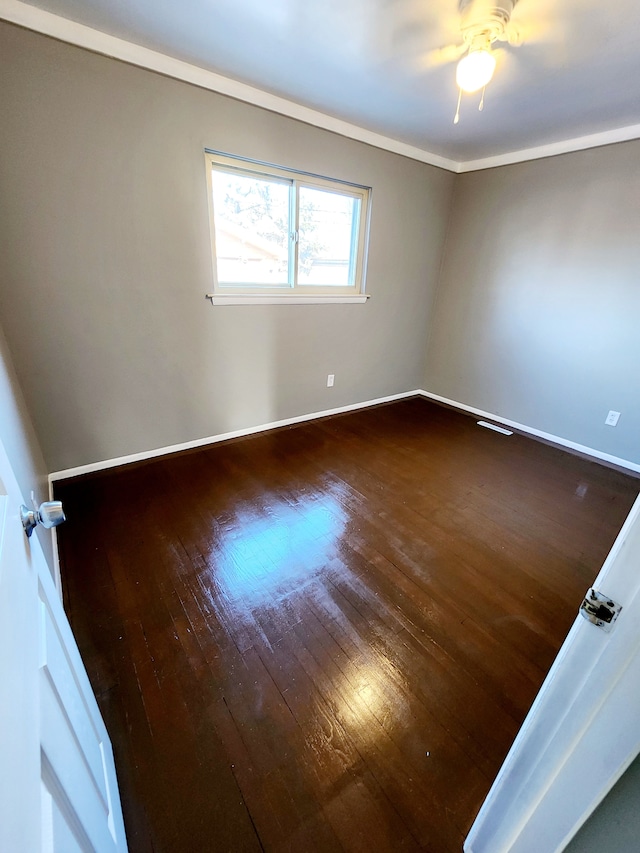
(251,229)
(328,224)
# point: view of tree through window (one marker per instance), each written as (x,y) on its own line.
(272,231)
(325,243)
(252,228)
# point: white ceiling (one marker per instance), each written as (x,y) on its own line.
(368,62)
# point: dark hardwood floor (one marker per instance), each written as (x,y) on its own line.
(326,637)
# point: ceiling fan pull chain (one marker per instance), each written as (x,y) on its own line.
(456,118)
(481,104)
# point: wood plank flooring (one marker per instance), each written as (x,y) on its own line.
(325,638)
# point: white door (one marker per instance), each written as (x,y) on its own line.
(58,789)
(583,729)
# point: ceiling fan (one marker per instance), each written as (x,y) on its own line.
(482,23)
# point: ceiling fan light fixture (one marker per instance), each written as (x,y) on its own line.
(475,70)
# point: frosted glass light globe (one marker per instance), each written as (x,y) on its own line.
(475,70)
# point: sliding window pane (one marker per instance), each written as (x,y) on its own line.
(328,227)
(251,218)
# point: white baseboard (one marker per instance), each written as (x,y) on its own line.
(240,433)
(547,436)
(214,439)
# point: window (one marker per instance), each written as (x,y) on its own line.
(279,235)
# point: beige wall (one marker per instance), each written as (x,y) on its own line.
(107,261)
(19,440)
(539,299)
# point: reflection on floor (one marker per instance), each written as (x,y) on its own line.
(326,637)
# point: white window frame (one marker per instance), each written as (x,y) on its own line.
(241,294)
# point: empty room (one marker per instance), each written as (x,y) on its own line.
(319,426)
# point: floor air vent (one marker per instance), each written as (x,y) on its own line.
(494,427)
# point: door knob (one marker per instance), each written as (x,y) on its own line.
(49,514)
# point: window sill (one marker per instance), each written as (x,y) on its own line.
(274,299)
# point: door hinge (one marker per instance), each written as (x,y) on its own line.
(600,609)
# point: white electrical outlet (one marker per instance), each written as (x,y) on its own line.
(330,379)
(612,418)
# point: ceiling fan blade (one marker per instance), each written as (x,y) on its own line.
(539,29)
(538,47)
(443,55)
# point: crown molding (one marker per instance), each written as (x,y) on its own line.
(567,146)
(96,41)
(80,35)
